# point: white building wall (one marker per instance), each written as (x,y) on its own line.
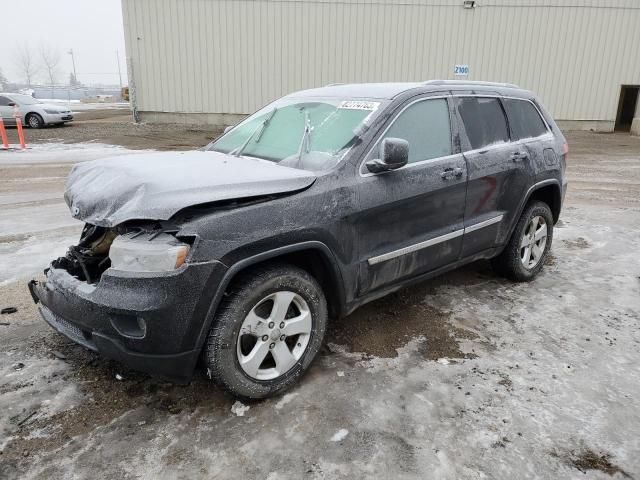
(233,56)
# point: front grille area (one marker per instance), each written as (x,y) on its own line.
(67,328)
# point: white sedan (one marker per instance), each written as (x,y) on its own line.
(33,113)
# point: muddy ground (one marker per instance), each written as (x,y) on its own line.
(465,376)
(114,127)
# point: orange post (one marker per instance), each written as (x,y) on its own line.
(3,134)
(16,114)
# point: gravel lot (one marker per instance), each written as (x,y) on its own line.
(465,376)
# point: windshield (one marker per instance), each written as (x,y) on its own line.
(23,99)
(307,133)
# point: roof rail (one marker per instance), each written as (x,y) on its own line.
(470,82)
(334,84)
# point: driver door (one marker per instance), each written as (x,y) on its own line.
(6,111)
(410,220)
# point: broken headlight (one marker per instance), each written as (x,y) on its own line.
(147,252)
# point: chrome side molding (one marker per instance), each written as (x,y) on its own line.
(433,241)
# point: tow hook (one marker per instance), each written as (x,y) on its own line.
(32,285)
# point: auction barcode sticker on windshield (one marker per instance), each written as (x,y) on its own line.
(359,105)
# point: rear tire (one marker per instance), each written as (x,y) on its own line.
(34,120)
(267,331)
(525,254)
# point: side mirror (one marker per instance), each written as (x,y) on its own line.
(11,104)
(227,128)
(394,153)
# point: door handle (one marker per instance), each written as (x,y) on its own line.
(518,156)
(449,173)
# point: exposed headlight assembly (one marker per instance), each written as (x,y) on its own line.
(135,252)
(52,112)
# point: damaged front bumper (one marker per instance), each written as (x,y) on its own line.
(149,322)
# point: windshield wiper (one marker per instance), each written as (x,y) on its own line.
(306,135)
(259,131)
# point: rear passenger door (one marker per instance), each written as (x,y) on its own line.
(498,172)
(531,134)
(410,219)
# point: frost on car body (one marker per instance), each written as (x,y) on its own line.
(316,204)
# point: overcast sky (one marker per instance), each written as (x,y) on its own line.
(92,28)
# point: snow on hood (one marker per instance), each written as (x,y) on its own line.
(156,186)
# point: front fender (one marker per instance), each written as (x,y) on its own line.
(264,256)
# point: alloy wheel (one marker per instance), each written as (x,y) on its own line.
(34,122)
(533,242)
(274,335)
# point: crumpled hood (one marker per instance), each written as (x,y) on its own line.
(156,186)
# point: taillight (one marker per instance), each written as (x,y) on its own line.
(565,150)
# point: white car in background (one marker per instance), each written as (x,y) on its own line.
(34,113)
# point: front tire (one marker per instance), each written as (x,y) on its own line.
(34,120)
(268,329)
(525,254)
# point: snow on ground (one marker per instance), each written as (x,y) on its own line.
(58,152)
(340,435)
(19,259)
(32,402)
(78,106)
(547,379)
(35,223)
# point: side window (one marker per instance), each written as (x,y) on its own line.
(524,119)
(427,128)
(4,101)
(483,120)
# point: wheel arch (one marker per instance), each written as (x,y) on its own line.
(314,257)
(28,114)
(548,191)
(550,194)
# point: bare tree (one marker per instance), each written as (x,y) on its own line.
(3,80)
(73,81)
(50,61)
(25,63)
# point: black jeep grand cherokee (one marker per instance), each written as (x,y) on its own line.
(320,202)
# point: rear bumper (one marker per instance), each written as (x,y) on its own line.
(151,323)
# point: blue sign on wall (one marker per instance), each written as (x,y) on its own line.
(461,70)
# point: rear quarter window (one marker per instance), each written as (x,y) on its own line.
(524,119)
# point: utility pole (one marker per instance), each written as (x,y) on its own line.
(119,72)
(73,61)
